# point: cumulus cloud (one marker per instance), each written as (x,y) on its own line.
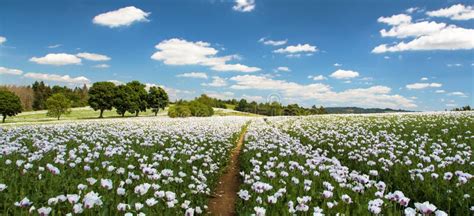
(460,94)
(198,75)
(440,91)
(244,5)
(2,40)
(220,95)
(317,78)
(58,78)
(455,12)
(284,69)
(395,19)
(299,48)
(344,74)
(337,65)
(273,42)
(426,35)
(423,85)
(57,59)
(181,52)
(375,96)
(216,82)
(10,71)
(424,78)
(116,82)
(101,66)
(121,17)
(93,56)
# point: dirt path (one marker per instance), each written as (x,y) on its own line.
(225,195)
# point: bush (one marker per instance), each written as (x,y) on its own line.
(179,111)
(199,109)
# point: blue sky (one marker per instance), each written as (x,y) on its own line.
(414,55)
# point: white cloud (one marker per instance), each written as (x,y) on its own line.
(181,52)
(299,48)
(256,98)
(2,40)
(405,30)
(317,78)
(220,95)
(116,82)
(198,75)
(337,65)
(58,78)
(344,74)
(424,78)
(273,42)
(244,5)
(173,93)
(216,82)
(121,17)
(57,59)
(455,12)
(460,94)
(423,85)
(449,38)
(454,65)
(386,57)
(375,96)
(412,9)
(101,66)
(54,46)
(284,69)
(451,105)
(395,19)
(440,91)
(93,56)
(10,71)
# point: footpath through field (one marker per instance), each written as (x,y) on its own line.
(225,194)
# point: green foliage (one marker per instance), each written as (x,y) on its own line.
(179,111)
(101,96)
(199,109)
(125,100)
(58,104)
(276,109)
(41,93)
(464,108)
(140,99)
(157,99)
(10,104)
(212,102)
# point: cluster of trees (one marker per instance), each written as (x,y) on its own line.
(199,107)
(464,108)
(131,97)
(277,109)
(10,104)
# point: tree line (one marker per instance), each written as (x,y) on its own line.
(130,97)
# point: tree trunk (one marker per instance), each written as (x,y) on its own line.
(156,113)
(59,117)
(101,112)
(136,113)
(4,117)
(123,114)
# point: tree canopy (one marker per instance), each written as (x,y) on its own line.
(101,96)
(157,99)
(58,104)
(10,104)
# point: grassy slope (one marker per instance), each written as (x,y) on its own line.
(88,113)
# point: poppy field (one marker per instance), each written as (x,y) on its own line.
(377,164)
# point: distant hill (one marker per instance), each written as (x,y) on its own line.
(347,110)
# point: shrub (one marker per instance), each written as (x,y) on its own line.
(179,111)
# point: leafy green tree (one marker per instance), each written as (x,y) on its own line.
(157,99)
(101,96)
(199,109)
(58,104)
(10,104)
(179,111)
(125,99)
(41,92)
(141,99)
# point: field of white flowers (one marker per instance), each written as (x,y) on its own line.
(143,166)
(395,164)
(380,164)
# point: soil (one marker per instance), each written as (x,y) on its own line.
(225,195)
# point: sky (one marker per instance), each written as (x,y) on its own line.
(411,54)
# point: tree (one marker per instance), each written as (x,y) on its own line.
(125,100)
(41,92)
(58,104)
(179,111)
(101,96)
(199,109)
(157,99)
(141,97)
(10,104)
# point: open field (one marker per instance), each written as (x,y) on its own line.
(374,164)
